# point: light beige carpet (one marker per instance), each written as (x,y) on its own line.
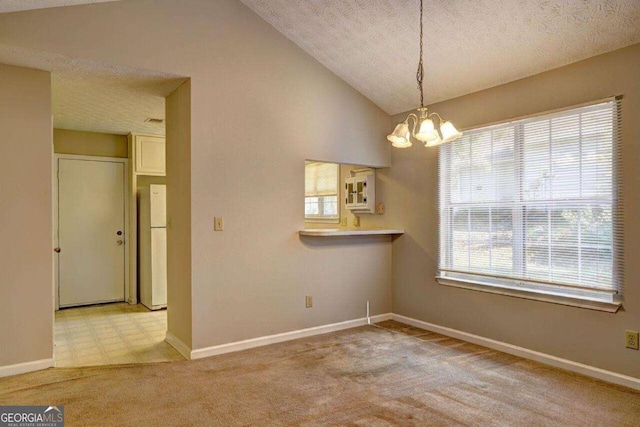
(383,375)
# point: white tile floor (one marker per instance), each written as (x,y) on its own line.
(110,334)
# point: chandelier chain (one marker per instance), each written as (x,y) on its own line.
(424,129)
(420,73)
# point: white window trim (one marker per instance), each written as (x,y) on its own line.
(609,307)
(550,296)
(323,220)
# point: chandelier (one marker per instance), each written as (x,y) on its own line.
(427,133)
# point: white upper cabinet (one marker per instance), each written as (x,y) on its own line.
(150,155)
(360,193)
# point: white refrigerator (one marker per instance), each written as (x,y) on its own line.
(152,246)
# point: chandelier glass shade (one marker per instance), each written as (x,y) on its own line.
(423,127)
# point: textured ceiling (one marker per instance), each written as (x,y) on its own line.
(470,45)
(94,97)
(371,44)
(17,5)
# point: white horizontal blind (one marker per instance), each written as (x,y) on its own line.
(534,203)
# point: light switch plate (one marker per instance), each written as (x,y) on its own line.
(218,223)
(308,301)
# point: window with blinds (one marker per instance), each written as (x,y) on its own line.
(321,192)
(533,204)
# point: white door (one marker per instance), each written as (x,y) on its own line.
(91,221)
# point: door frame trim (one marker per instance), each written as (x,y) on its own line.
(127,225)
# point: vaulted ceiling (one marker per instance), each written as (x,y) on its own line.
(470,45)
(373,45)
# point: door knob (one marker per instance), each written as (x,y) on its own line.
(119,242)
(57,250)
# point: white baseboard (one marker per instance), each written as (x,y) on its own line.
(381,317)
(286,336)
(21,368)
(184,350)
(176,343)
(547,359)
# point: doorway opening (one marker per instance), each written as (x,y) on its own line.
(110,230)
(95,323)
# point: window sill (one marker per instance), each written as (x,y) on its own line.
(609,307)
(323,220)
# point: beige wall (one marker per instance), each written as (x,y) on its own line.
(364,261)
(179,297)
(89,143)
(260,107)
(26,253)
(251,133)
(586,336)
(145,180)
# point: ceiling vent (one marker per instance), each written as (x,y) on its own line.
(154,121)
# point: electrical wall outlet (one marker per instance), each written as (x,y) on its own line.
(631,339)
(218,223)
(380,208)
(356,221)
(343,221)
(308,301)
